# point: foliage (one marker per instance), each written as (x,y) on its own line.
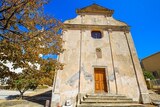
(46,81)
(49,72)
(24,81)
(148,74)
(47,78)
(4,72)
(42,86)
(26,33)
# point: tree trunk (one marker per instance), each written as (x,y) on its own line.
(21,95)
(22,92)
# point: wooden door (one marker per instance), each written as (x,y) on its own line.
(100,80)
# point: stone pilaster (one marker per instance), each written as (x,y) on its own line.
(112,77)
(144,95)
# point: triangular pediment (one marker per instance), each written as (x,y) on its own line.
(95,9)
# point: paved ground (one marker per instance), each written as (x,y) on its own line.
(35,98)
(19,103)
(155,97)
(7,94)
(38,98)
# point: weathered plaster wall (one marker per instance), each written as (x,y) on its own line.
(70,74)
(94,20)
(66,85)
(138,71)
(125,75)
(90,60)
(118,58)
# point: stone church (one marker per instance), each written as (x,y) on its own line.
(99,59)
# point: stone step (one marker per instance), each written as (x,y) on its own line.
(106,98)
(110,105)
(107,101)
(105,95)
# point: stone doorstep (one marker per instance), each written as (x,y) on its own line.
(110,105)
(106,98)
(105,95)
(108,101)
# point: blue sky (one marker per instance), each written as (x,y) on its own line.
(142,15)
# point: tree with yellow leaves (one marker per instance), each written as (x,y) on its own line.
(26,33)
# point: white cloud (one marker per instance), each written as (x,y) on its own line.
(10,66)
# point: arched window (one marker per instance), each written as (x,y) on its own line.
(99,53)
(96,34)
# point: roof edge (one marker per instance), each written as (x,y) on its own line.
(95,9)
(150,55)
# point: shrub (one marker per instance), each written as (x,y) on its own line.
(148,74)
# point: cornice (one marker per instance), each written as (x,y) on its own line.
(106,13)
(95,9)
(95,27)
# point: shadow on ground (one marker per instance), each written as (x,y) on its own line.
(40,98)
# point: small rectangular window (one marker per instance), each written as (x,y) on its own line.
(96,34)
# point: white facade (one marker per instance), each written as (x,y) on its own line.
(119,59)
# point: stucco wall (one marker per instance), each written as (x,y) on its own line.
(152,63)
(125,75)
(90,60)
(119,59)
(95,20)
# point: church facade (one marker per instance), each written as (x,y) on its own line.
(99,57)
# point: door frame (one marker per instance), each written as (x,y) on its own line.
(106,75)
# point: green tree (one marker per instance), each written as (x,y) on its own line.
(23,82)
(25,34)
(148,74)
(49,71)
